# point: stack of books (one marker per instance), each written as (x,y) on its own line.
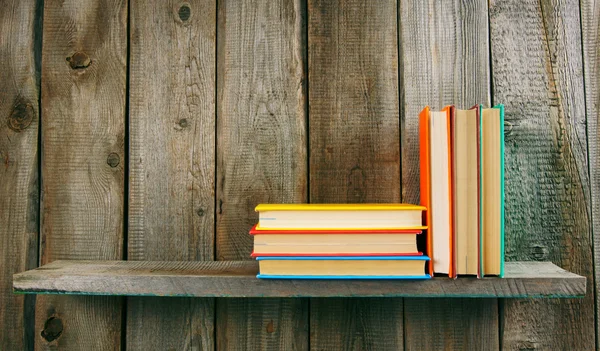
(339,241)
(462,186)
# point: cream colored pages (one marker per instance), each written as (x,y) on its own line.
(491,187)
(466,202)
(440,192)
(343,267)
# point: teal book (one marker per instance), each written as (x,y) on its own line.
(491,205)
(501,108)
(343,267)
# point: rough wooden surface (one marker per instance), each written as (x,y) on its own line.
(238,279)
(537,74)
(354,144)
(261,153)
(363,325)
(172,162)
(273,324)
(472,325)
(444,60)
(83,113)
(19,203)
(590,25)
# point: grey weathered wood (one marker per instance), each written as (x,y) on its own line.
(455,324)
(261,153)
(19,203)
(83,87)
(172,162)
(354,145)
(238,279)
(444,60)
(366,327)
(270,321)
(537,74)
(590,25)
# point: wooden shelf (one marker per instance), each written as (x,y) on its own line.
(238,279)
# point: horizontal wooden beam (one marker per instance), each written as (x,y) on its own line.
(238,279)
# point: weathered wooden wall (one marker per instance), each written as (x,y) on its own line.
(149,130)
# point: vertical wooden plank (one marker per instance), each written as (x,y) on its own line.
(444,60)
(537,74)
(172,163)
(590,24)
(83,113)
(356,324)
(354,147)
(19,203)
(261,154)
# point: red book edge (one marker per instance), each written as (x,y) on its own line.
(255,231)
(336,254)
(478,113)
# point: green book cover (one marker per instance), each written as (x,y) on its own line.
(501,107)
(481,202)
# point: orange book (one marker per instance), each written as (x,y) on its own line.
(425,181)
(436,159)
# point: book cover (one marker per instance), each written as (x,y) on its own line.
(501,107)
(256,231)
(338,207)
(333,254)
(271,276)
(425,180)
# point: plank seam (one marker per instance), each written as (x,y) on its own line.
(589,169)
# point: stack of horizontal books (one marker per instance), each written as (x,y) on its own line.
(339,241)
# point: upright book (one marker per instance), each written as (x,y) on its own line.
(492,190)
(436,187)
(465,177)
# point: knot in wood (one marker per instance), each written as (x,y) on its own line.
(21,116)
(79,60)
(113,160)
(53,328)
(184,13)
(183,123)
(200,212)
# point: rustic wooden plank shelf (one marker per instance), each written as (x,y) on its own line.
(238,279)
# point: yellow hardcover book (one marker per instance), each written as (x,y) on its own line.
(339,216)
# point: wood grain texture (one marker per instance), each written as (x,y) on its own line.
(83,114)
(590,25)
(444,60)
(356,324)
(172,162)
(19,203)
(354,145)
(433,328)
(273,324)
(537,74)
(261,152)
(238,279)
